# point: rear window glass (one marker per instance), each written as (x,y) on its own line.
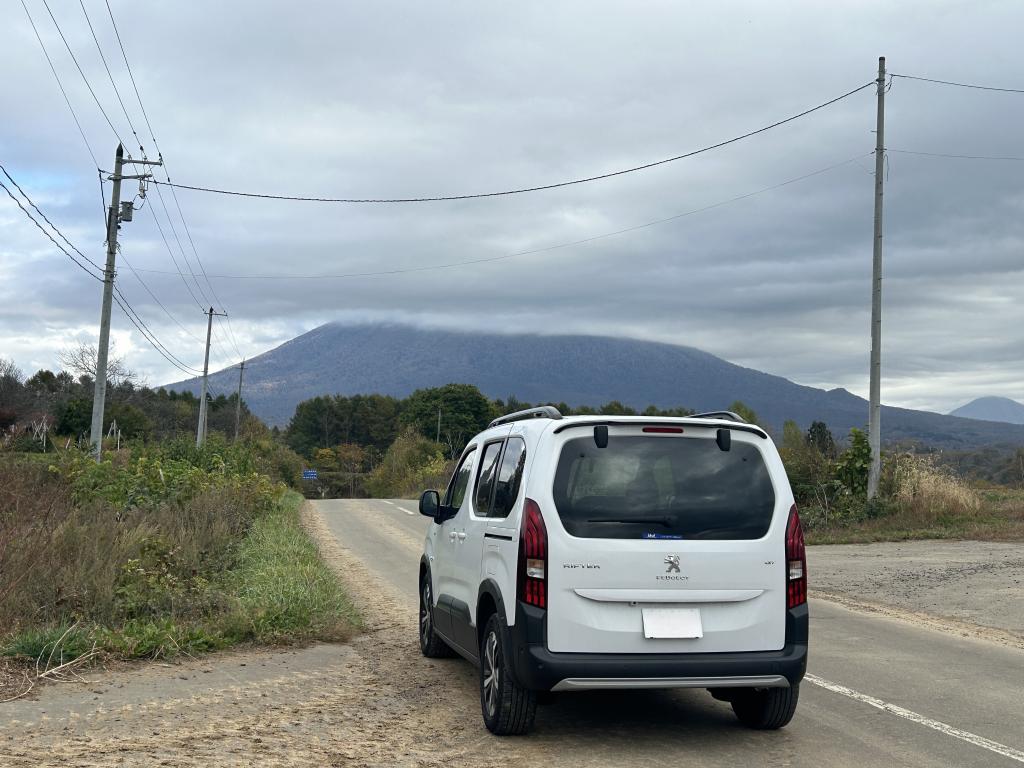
(663,488)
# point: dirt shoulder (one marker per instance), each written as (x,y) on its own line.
(971,587)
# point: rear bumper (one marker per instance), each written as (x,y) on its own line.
(536,668)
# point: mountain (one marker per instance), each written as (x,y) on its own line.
(397,359)
(992,409)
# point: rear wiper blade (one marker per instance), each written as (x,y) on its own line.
(654,520)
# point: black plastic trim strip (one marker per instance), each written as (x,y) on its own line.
(501,536)
(604,422)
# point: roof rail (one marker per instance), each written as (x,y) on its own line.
(719,415)
(543,412)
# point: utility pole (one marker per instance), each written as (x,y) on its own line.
(201,430)
(875,405)
(117,213)
(238,402)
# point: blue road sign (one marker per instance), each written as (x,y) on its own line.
(309,474)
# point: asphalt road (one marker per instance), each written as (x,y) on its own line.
(880,691)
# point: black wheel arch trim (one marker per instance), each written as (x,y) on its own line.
(489,587)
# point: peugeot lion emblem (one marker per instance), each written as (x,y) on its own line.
(672,561)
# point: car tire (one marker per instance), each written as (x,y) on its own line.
(431,644)
(766,709)
(507,707)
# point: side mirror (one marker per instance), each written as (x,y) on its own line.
(430,504)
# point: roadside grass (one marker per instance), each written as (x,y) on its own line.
(998,516)
(145,560)
(284,589)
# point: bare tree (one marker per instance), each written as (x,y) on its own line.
(81,359)
(11,379)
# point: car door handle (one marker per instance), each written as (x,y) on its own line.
(462,535)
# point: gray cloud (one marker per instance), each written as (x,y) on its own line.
(419,99)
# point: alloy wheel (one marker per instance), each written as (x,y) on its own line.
(491,673)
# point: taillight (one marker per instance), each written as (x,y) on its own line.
(796,562)
(533,556)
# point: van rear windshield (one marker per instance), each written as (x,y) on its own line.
(651,487)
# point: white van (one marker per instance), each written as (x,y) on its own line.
(616,552)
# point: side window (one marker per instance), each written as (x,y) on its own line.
(460,482)
(485,478)
(510,474)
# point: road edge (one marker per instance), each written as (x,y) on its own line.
(920,619)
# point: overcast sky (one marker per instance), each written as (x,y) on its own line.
(419,99)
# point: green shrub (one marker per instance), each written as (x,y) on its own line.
(411,464)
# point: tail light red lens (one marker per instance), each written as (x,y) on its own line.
(796,562)
(533,556)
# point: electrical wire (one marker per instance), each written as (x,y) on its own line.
(538,188)
(545,249)
(170,252)
(131,75)
(956,157)
(82,73)
(118,296)
(156,145)
(64,250)
(53,226)
(137,321)
(174,232)
(141,282)
(103,58)
(960,85)
(60,85)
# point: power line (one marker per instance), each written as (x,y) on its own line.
(538,188)
(130,313)
(103,58)
(81,72)
(545,249)
(137,321)
(131,74)
(231,333)
(156,145)
(60,85)
(64,250)
(153,295)
(47,220)
(170,252)
(960,85)
(957,157)
(181,250)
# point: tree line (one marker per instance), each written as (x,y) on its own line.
(61,403)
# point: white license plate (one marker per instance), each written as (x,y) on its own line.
(672,623)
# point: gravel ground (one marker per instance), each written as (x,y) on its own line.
(965,582)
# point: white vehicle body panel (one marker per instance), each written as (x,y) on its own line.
(598,587)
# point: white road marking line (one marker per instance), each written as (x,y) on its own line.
(906,714)
(395,505)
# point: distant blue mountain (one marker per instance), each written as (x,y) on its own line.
(992,409)
(578,370)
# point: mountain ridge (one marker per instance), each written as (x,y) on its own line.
(990,408)
(395,359)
